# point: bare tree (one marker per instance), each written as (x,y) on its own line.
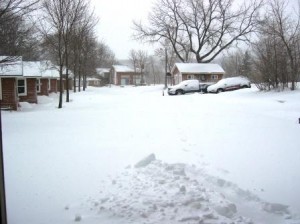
(202,27)
(142,58)
(139,59)
(82,37)
(16,35)
(105,56)
(287,29)
(238,62)
(155,69)
(11,8)
(133,57)
(61,17)
(277,50)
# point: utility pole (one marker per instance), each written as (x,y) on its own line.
(166,68)
(2,182)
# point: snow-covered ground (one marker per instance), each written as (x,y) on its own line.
(214,158)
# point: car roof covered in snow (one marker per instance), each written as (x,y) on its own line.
(198,68)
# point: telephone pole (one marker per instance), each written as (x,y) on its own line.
(166,68)
(2,182)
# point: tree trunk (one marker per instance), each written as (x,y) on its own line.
(84,82)
(60,88)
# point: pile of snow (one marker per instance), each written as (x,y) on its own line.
(158,192)
(26,106)
(45,99)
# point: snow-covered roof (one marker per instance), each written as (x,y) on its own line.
(122,68)
(51,73)
(198,68)
(44,69)
(49,70)
(32,69)
(11,69)
(93,79)
(100,71)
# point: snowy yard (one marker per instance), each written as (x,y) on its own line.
(220,158)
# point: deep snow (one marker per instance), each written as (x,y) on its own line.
(231,157)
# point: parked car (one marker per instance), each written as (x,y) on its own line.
(229,84)
(188,86)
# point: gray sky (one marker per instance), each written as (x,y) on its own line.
(115,25)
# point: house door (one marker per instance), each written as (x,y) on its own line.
(124,81)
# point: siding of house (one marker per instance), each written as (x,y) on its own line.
(70,83)
(9,93)
(95,83)
(31,96)
(203,77)
(132,77)
(127,75)
(44,87)
(53,86)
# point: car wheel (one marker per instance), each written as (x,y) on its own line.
(179,92)
(220,90)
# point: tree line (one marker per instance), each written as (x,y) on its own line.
(60,30)
(208,30)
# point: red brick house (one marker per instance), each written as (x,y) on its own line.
(24,81)
(9,74)
(70,82)
(49,79)
(204,72)
(124,75)
(30,82)
(46,75)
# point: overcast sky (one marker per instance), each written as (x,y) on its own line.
(115,25)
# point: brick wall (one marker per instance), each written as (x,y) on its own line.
(53,86)
(44,87)
(125,74)
(70,83)
(9,93)
(31,96)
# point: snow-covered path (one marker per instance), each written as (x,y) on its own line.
(58,161)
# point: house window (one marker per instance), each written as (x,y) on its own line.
(214,77)
(202,77)
(190,77)
(38,85)
(22,87)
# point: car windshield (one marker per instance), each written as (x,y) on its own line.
(95,128)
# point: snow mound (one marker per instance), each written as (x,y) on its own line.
(26,106)
(146,161)
(44,99)
(276,208)
(175,193)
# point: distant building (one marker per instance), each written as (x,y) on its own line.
(124,75)
(103,74)
(204,72)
